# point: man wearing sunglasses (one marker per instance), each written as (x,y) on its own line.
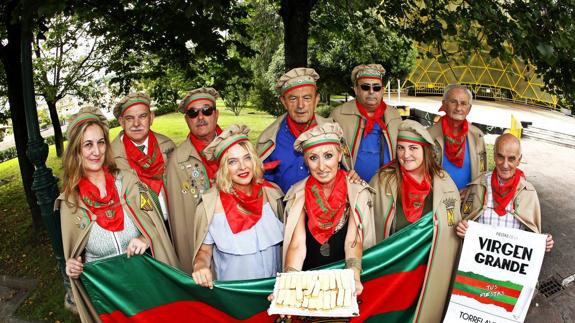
(189,172)
(369,125)
(141,150)
(462,145)
(298,93)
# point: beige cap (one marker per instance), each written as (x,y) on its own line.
(203,93)
(129,101)
(372,71)
(232,135)
(413,131)
(326,134)
(85,114)
(295,78)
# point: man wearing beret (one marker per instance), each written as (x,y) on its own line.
(369,125)
(189,173)
(297,90)
(139,149)
(462,147)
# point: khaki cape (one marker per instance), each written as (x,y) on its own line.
(445,247)
(360,202)
(207,206)
(266,142)
(477,153)
(525,201)
(352,123)
(186,181)
(76,226)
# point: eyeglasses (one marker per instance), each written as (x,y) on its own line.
(206,110)
(374,87)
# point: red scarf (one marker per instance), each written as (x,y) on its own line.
(243,211)
(325,213)
(503,193)
(108,209)
(454,144)
(299,128)
(370,121)
(211,166)
(413,195)
(149,167)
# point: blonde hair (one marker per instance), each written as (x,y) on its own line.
(223,177)
(72,161)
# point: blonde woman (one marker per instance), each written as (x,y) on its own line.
(104,212)
(237,222)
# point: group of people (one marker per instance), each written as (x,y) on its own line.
(312,191)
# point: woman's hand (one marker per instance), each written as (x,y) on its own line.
(74,267)
(203,277)
(358,287)
(137,246)
(462,229)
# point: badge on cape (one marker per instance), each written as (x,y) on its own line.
(145,202)
(450,208)
(482,162)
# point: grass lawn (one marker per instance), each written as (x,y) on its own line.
(25,252)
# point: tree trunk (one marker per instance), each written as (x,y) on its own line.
(296,15)
(58,139)
(10,56)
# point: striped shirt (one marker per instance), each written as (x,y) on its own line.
(490,217)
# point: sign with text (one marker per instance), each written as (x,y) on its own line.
(497,274)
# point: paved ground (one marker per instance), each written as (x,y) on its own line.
(550,169)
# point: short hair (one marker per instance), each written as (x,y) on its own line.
(451,87)
(504,137)
(223,178)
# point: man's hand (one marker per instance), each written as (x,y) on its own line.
(462,229)
(549,243)
(354,178)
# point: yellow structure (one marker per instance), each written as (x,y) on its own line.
(487,77)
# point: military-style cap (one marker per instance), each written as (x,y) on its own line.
(414,132)
(203,93)
(232,135)
(369,71)
(296,78)
(85,114)
(326,134)
(129,101)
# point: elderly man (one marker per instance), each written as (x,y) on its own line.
(503,198)
(462,145)
(141,150)
(189,172)
(297,90)
(369,125)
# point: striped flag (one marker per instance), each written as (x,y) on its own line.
(141,289)
(486,290)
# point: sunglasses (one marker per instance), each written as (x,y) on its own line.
(206,110)
(374,87)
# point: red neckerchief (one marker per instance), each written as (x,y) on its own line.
(211,166)
(150,167)
(503,193)
(325,213)
(299,128)
(454,144)
(243,211)
(370,121)
(413,195)
(108,209)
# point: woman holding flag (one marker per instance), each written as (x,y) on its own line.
(328,218)
(237,222)
(104,211)
(409,189)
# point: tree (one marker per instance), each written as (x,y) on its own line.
(236,94)
(296,19)
(541,32)
(67,61)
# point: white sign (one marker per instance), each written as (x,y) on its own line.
(497,274)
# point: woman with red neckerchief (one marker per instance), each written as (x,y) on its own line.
(413,187)
(237,223)
(104,211)
(328,218)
